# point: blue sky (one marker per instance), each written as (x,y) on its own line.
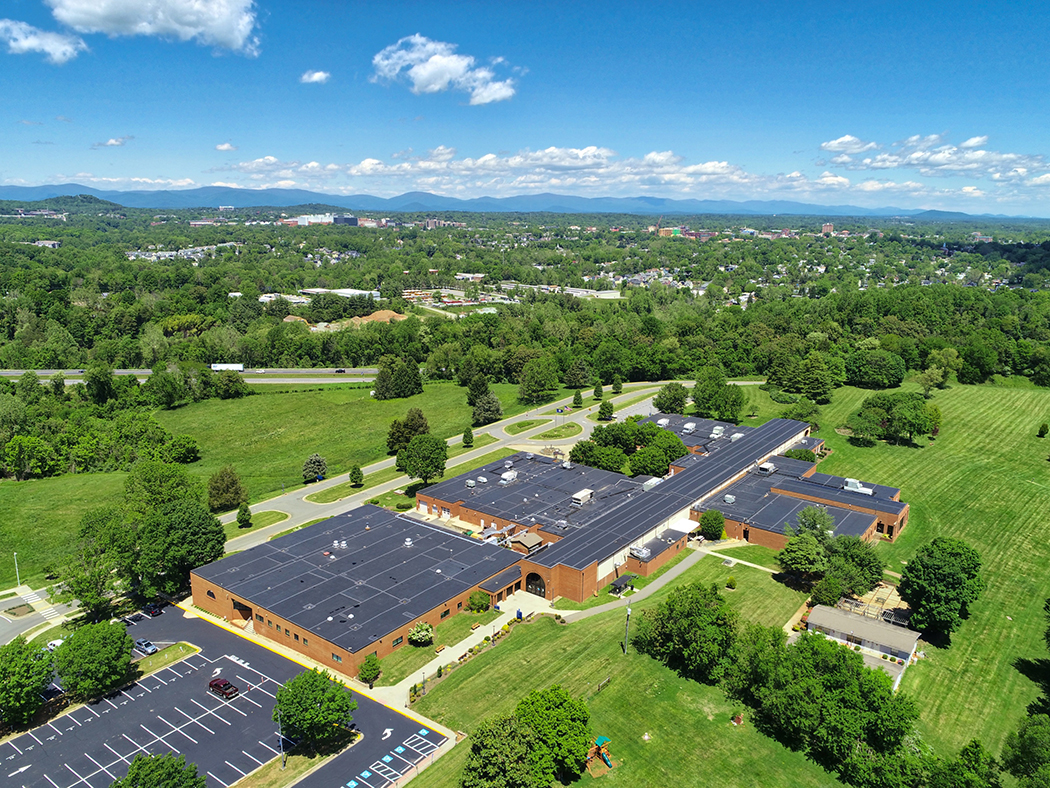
(906,104)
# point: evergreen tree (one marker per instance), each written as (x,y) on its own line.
(383,386)
(478,388)
(314,468)
(356,477)
(598,391)
(225,490)
(577,399)
(468,437)
(244,516)
(487,410)
(814,379)
(406,381)
(617,384)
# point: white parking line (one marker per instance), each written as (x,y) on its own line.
(116,753)
(101,767)
(111,703)
(36,739)
(177,674)
(252,757)
(160,738)
(158,678)
(224,785)
(16,748)
(79,778)
(51,781)
(93,711)
(209,711)
(56,730)
(176,728)
(267,746)
(256,687)
(137,745)
(242,774)
(71,717)
(229,705)
(194,719)
(245,697)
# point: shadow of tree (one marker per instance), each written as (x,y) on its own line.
(1037,671)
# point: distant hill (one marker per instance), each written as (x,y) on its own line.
(417,202)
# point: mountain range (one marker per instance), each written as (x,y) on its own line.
(423,202)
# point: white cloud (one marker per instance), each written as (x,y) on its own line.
(434,67)
(21,38)
(30,123)
(315,77)
(847,144)
(63,119)
(113,142)
(228,24)
(932,155)
(226,146)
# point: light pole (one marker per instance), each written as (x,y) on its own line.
(627,631)
(18,577)
(280,735)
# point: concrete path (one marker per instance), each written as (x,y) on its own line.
(671,574)
(397,695)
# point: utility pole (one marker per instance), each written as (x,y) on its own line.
(627,631)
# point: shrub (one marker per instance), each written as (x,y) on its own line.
(404,506)
(782,397)
(441,670)
(478,602)
(356,477)
(801,454)
(421,634)
(856,648)
(370,669)
(1043,429)
(731,582)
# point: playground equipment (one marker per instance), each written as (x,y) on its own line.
(600,750)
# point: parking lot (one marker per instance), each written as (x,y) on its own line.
(172,711)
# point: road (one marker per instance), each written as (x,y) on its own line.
(301,510)
(254,376)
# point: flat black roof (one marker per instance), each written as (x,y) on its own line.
(700,431)
(540,493)
(880,490)
(834,494)
(757,506)
(356,595)
(643,511)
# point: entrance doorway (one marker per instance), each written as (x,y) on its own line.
(242,610)
(534,584)
(747,534)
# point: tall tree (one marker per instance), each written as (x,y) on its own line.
(313,709)
(424,457)
(672,398)
(562,726)
(225,490)
(940,583)
(161,771)
(174,540)
(94,659)
(25,672)
(504,753)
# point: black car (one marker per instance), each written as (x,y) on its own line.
(341,371)
(153,609)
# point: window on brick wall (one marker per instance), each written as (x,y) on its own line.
(306,642)
(258,618)
(336,658)
(444,613)
(397,642)
(296,637)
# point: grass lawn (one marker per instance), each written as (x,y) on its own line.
(267,436)
(691,739)
(345,490)
(259,520)
(405,499)
(524,426)
(604,596)
(408,658)
(39,519)
(756,554)
(557,433)
(985,479)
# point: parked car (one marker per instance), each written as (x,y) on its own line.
(54,644)
(145,646)
(222,688)
(153,609)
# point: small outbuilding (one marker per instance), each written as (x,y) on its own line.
(865,632)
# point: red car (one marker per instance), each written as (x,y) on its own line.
(222,688)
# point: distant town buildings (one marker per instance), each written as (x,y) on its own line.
(828,228)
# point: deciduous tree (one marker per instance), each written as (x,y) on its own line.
(312,709)
(25,672)
(225,490)
(314,468)
(562,727)
(940,583)
(712,524)
(672,398)
(161,771)
(424,457)
(504,754)
(94,659)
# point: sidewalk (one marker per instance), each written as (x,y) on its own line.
(397,695)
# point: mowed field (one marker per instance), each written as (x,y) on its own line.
(267,437)
(692,741)
(984,479)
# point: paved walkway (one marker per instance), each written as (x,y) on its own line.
(578,615)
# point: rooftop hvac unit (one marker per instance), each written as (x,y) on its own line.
(766,468)
(649,484)
(641,553)
(735,437)
(719,430)
(663,422)
(483,480)
(689,426)
(471,483)
(342,545)
(508,464)
(580,498)
(408,541)
(853,485)
(529,455)
(507,477)
(566,465)
(729,498)
(335,543)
